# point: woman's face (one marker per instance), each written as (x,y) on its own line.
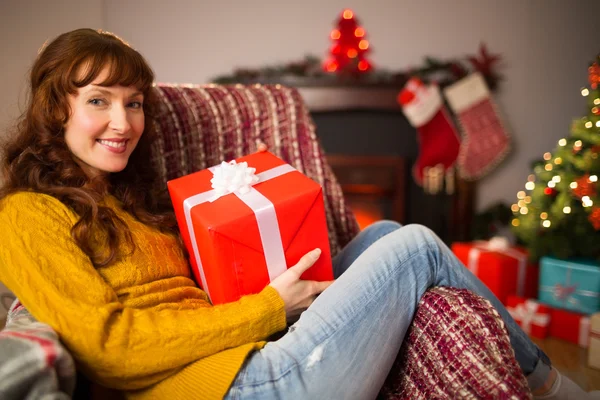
(105,125)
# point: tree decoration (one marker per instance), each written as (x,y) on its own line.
(350,47)
(562,214)
(595,218)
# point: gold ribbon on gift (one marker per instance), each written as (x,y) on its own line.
(499,245)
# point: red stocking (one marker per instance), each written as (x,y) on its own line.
(485,140)
(438,140)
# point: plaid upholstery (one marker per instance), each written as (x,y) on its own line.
(33,362)
(200,126)
(457,346)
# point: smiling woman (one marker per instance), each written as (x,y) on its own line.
(105,125)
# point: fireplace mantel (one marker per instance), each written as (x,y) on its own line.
(337,98)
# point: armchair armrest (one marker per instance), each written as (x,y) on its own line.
(33,361)
(457,347)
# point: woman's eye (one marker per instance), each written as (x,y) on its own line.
(96,102)
(135,104)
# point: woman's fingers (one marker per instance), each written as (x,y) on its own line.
(306,261)
(261,147)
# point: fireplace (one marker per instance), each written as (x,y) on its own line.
(371,148)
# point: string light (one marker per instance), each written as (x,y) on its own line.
(567,210)
(593,178)
(363,44)
(562,142)
(530,186)
(544,215)
(556,178)
(598,124)
(359,32)
(597,102)
(514,208)
(573,185)
(546,224)
(531,178)
(521,195)
(586,201)
(589,124)
(551,184)
(547,156)
(585,92)
(348,14)
(515,222)
(335,34)
(595,110)
(558,161)
(522,203)
(527,199)
(578,143)
(523,210)
(352,53)
(548,167)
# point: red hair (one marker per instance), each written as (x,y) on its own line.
(37,158)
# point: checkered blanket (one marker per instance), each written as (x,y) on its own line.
(33,363)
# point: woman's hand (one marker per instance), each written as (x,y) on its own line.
(298,294)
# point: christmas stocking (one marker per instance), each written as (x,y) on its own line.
(438,140)
(485,141)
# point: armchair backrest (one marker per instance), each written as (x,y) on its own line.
(200,126)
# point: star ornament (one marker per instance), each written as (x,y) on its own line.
(594,75)
(484,62)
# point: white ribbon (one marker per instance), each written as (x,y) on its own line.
(263,209)
(584,331)
(499,245)
(526,314)
(231,177)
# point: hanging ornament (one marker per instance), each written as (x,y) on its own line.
(594,75)
(594,218)
(550,191)
(584,187)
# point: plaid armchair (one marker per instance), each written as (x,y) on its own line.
(457,346)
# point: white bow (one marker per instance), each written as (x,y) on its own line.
(231,177)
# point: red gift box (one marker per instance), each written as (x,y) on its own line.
(533,317)
(571,326)
(504,270)
(240,241)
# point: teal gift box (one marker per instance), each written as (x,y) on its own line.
(570,284)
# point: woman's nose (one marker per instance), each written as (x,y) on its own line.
(119,121)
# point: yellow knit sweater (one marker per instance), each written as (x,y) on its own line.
(140,324)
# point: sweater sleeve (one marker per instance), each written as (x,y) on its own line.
(120,347)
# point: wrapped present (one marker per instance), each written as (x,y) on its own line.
(532,317)
(570,284)
(505,270)
(594,349)
(245,222)
(570,326)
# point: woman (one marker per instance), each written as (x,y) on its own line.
(91,248)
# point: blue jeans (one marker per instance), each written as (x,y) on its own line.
(345,343)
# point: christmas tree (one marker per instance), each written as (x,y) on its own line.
(559,212)
(350,46)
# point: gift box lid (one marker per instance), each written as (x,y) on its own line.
(581,264)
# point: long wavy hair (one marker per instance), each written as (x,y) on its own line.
(37,158)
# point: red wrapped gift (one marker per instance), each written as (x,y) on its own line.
(246,221)
(571,326)
(505,270)
(532,317)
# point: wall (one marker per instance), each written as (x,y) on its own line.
(546,45)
